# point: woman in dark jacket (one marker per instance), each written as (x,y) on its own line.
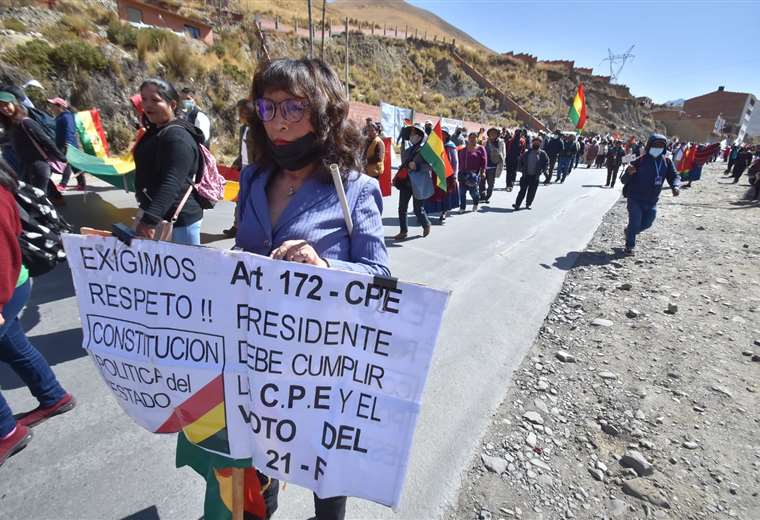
(167,162)
(31,145)
(412,161)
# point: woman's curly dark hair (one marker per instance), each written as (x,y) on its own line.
(339,138)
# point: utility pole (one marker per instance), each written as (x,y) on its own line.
(348,91)
(311,32)
(322,52)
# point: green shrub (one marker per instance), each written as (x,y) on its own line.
(121,34)
(119,137)
(78,55)
(217,48)
(151,40)
(14,24)
(32,56)
(177,59)
(76,24)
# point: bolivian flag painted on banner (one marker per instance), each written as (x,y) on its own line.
(577,113)
(434,154)
(90,131)
(202,417)
(116,171)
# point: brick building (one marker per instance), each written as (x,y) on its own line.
(153,14)
(736,108)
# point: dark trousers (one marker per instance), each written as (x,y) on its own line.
(24,359)
(511,172)
(405,195)
(577,159)
(463,189)
(730,164)
(550,170)
(529,185)
(489,180)
(67,175)
(641,215)
(612,173)
(37,174)
(738,171)
(563,168)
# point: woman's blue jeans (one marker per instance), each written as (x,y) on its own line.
(24,359)
(188,235)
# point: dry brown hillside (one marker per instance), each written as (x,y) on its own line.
(391,13)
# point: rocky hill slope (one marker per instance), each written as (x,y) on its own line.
(81,51)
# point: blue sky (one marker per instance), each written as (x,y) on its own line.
(683,49)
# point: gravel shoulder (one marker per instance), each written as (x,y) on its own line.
(639,397)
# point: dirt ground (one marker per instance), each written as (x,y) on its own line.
(639,397)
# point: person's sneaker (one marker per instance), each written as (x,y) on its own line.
(474,208)
(15,442)
(231,232)
(515,206)
(509,188)
(39,414)
(527,207)
(425,231)
(61,187)
(400,236)
(629,251)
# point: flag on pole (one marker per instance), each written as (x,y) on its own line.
(434,154)
(577,113)
(91,135)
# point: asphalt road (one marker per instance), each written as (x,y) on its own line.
(503,268)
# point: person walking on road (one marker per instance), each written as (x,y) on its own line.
(167,163)
(532,164)
(441,202)
(552,148)
(411,161)
(66,134)
(741,162)
(15,348)
(643,181)
(495,152)
(472,165)
(566,156)
(194,116)
(613,161)
(514,149)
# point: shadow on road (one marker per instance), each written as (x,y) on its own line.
(57,347)
(90,209)
(593,186)
(586,258)
(491,209)
(149,513)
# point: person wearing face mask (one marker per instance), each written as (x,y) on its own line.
(411,161)
(167,163)
(194,116)
(532,164)
(643,181)
(289,210)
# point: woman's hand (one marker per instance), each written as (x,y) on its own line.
(298,251)
(145,231)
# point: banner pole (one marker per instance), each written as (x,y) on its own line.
(238,493)
(335,172)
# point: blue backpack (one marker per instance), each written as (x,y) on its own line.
(45,120)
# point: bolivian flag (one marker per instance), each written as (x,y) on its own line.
(434,154)
(202,418)
(577,113)
(116,171)
(90,131)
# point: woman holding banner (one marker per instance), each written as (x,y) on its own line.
(289,209)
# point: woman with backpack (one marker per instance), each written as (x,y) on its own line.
(15,349)
(35,152)
(167,163)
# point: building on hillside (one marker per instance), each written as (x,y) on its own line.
(711,117)
(153,14)
(735,108)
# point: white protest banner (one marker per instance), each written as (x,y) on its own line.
(392,118)
(629,158)
(317,374)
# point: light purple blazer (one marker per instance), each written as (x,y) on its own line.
(314,214)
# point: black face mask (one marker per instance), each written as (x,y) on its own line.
(296,155)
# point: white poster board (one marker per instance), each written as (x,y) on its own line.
(317,374)
(392,119)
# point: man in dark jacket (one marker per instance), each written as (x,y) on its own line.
(566,157)
(643,183)
(514,150)
(742,161)
(532,164)
(553,147)
(614,159)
